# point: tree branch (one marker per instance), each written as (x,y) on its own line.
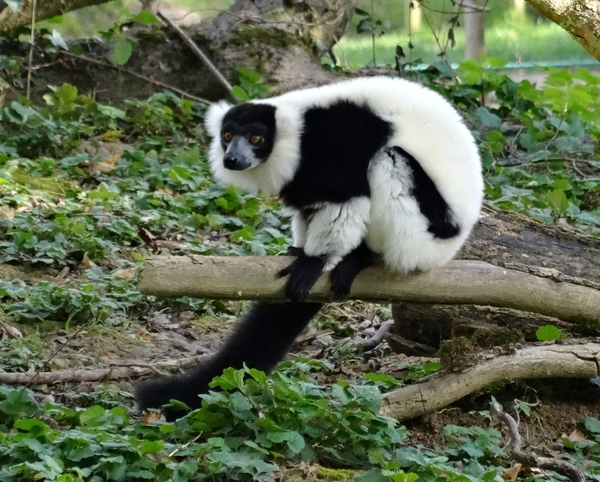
(577,360)
(459,282)
(114,372)
(581,18)
(532,460)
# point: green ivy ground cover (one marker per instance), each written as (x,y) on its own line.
(96,189)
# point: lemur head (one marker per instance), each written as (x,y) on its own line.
(247,135)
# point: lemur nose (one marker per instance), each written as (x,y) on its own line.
(230,162)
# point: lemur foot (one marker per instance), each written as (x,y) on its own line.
(342,276)
(303,274)
(295,251)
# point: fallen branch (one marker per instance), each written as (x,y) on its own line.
(114,372)
(567,360)
(459,282)
(532,460)
(377,338)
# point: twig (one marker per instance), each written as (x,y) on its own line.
(114,372)
(377,338)
(56,352)
(139,76)
(201,55)
(532,460)
(185,445)
(33,12)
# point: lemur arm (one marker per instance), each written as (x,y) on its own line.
(332,231)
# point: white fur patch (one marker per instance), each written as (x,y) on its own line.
(335,229)
(213,119)
(299,229)
(398,230)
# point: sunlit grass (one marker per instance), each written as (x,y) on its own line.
(524,42)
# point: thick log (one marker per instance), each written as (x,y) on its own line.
(459,282)
(572,360)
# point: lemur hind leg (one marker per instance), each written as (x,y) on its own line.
(333,230)
(342,276)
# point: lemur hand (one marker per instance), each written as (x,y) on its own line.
(294,251)
(342,276)
(303,274)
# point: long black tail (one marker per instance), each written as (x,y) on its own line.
(260,340)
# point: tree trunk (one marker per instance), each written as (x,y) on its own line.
(474,29)
(279,39)
(581,18)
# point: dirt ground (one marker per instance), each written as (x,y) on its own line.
(557,407)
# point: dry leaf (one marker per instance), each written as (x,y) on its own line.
(512,473)
(6,212)
(9,331)
(150,417)
(577,436)
(147,237)
(145,335)
(99,167)
(63,272)
(125,273)
(87,263)
(187,315)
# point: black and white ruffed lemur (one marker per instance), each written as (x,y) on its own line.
(368,168)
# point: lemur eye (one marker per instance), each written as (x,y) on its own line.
(255,139)
(227,136)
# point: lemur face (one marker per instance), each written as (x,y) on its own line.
(247,136)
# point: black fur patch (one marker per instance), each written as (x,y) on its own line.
(252,119)
(431,203)
(342,276)
(261,340)
(303,273)
(337,144)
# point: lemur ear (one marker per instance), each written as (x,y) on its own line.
(214,117)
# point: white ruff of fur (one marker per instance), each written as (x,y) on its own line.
(335,229)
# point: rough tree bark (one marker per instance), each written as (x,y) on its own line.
(581,18)
(9,19)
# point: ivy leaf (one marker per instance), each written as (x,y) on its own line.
(240,93)
(121,51)
(549,333)
(592,424)
(145,17)
(487,118)
(57,40)
(249,75)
